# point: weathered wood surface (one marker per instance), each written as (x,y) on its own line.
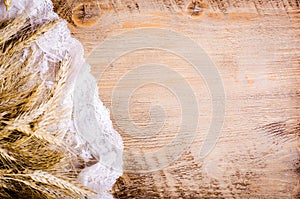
(255,46)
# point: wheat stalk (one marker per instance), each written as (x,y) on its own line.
(7,4)
(47,178)
(28,36)
(41,191)
(10,27)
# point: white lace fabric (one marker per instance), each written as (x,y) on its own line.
(87,121)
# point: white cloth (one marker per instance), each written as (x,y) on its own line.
(87,123)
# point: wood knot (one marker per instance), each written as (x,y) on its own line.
(196,8)
(85,14)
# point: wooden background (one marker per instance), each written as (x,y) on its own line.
(255,45)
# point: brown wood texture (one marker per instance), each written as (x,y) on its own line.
(255,46)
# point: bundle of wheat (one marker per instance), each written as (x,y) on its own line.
(34,163)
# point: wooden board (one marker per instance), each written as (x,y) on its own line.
(255,47)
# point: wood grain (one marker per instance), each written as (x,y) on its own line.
(255,46)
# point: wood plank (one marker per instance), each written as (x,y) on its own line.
(255,47)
